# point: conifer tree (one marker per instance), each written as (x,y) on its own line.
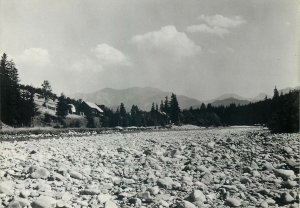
(202,107)
(9,92)
(166,105)
(47,90)
(153,114)
(161,107)
(276,93)
(62,107)
(136,116)
(174,109)
(123,116)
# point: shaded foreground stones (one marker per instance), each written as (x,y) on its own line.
(227,167)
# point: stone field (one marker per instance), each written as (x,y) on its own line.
(222,167)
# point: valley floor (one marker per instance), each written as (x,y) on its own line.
(226,167)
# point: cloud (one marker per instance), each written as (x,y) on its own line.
(217,24)
(207,29)
(103,56)
(34,56)
(108,55)
(167,40)
(221,21)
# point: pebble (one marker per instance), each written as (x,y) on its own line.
(89,192)
(233,202)
(185,204)
(76,175)
(284,173)
(290,184)
(6,188)
(104,197)
(264,204)
(25,193)
(166,182)
(154,190)
(110,204)
(43,202)
(40,173)
(197,195)
(287,198)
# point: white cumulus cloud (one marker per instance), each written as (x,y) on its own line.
(167,40)
(102,57)
(108,55)
(34,56)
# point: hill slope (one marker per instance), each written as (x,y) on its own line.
(140,96)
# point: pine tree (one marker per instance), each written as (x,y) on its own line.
(46,90)
(174,109)
(152,108)
(161,107)
(123,116)
(166,105)
(3,91)
(27,108)
(62,107)
(202,108)
(276,93)
(9,92)
(136,116)
(153,115)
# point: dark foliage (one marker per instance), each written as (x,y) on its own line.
(62,107)
(280,114)
(16,105)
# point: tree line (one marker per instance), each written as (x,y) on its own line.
(168,112)
(17,108)
(279,113)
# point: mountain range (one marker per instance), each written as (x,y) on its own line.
(143,97)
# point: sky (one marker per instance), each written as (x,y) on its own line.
(197,48)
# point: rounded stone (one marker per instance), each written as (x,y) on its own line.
(233,202)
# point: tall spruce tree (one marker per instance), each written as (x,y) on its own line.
(153,114)
(135,116)
(9,92)
(276,93)
(62,107)
(3,86)
(161,106)
(174,109)
(166,105)
(123,116)
(27,108)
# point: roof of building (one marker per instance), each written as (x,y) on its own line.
(93,105)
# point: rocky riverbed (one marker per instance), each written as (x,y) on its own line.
(227,167)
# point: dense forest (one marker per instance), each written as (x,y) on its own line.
(17,108)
